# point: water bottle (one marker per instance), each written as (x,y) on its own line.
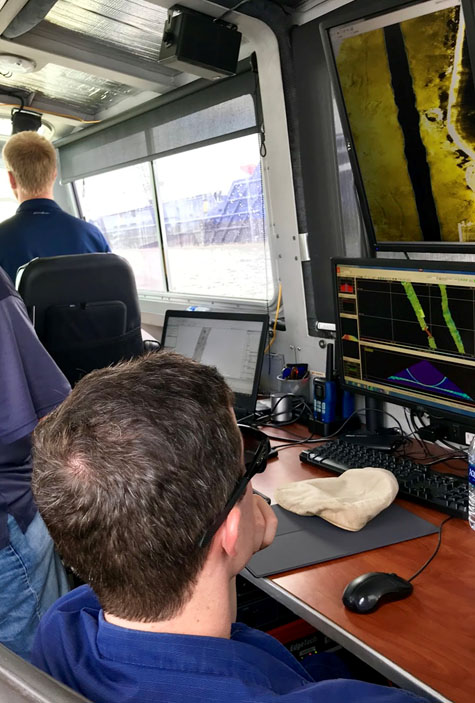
(471,484)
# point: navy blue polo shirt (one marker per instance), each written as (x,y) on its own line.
(41,228)
(30,386)
(104,662)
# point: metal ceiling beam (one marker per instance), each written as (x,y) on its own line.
(311,9)
(49,108)
(208,8)
(9,11)
(48,43)
(125,104)
(60,108)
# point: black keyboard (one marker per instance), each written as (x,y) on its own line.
(417,482)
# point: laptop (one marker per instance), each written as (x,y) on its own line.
(233,342)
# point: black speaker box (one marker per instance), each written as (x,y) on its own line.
(25,121)
(196,44)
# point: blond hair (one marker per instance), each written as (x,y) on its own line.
(32,160)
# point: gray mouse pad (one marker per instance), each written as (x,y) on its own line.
(302,541)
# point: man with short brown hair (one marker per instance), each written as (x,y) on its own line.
(39,227)
(142,480)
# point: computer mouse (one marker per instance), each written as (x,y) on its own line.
(367,592)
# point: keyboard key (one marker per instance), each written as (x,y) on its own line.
(417,482)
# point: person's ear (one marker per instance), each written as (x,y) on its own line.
(229,532)
(12,180)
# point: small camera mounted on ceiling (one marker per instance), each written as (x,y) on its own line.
(25,120)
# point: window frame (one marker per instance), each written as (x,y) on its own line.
(155,303)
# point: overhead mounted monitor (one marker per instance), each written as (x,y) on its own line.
(405,89)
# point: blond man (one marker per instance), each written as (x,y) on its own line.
(39,227)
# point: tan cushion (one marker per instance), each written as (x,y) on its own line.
(348,501)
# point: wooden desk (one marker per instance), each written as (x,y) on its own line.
(425,643)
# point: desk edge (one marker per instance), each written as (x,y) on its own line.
(382,664)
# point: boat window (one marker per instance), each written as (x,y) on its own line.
(212,210)
(210,236)
(121,204)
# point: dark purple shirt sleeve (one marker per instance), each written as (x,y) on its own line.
(31,384)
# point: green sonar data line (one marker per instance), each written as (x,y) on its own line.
(417,307)
(449,320)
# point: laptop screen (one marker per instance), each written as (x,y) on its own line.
(233,342)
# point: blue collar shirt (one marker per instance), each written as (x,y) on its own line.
(41,228)
(111,664)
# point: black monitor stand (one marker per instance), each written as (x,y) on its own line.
(374,435)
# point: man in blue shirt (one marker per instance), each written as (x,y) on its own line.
(40,227)
(142,480)
(31,385)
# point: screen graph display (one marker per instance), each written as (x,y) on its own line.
(232,345)
(407,331)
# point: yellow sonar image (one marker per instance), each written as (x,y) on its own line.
(408,91)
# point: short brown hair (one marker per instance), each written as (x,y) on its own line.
(130,471)
(32,160)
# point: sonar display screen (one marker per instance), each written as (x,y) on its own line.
(405,85)
(408,333)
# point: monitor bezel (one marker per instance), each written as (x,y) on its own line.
(241,400)
(347,16)
(421,405)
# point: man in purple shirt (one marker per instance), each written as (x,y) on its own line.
(142,480)
(30,386)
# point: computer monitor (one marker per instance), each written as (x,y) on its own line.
(403,82)
(233,342)
(406,333)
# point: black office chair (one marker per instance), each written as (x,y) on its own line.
(84,308)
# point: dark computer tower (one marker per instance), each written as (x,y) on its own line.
(257,609)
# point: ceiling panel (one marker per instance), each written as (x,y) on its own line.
(86,93)
(132,25)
